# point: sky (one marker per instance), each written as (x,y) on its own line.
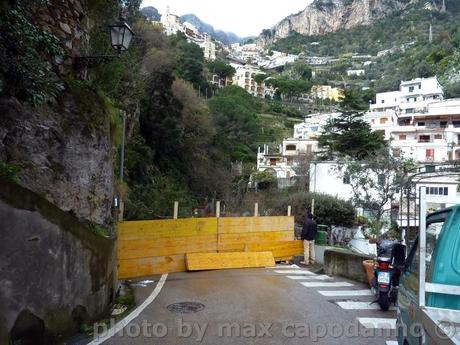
(243,17)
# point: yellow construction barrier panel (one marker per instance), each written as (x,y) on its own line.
(217,261)
(154,229)
(159,246)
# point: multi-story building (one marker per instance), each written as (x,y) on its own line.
(429,135)
(292,158)
(245,78)
(413,96)
(327,92)
(288,161)
(424,127)
(172,25)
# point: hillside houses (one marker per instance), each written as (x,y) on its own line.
(420,124)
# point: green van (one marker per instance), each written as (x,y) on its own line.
(420,323)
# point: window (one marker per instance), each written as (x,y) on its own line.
(346,179)
(438,136)
(402,137)
(411,89)
(410,111)
(437,190)
(456,124)
(272,161)
(289,161)
(420,87)
(433,230)
(420,123)
(383,101)
(443,124)
(291,147)
(424,139)
(383,120)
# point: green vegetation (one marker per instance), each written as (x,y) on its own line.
(10,171)
(406,33)
(328,209)
(24,72)
(99,230)
(349,135)
(220,68)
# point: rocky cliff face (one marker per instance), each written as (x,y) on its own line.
(324,16)
(63,147)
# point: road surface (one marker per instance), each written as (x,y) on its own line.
(282,305)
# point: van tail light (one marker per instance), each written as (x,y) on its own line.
(385,266)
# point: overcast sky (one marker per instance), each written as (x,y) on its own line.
(243,17)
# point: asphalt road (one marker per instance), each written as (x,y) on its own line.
(285,305)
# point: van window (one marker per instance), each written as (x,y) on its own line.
(433,230)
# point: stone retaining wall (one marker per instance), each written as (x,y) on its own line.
(345,263)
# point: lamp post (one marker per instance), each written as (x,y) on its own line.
(121,36)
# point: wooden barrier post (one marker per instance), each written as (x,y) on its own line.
(218,209)
(289,210)
(256,209)
(176,209)
(313,206)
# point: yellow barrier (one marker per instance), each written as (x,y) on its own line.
(159,246)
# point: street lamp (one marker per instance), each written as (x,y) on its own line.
(121,35)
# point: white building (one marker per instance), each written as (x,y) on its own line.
(245,77)
(424,127)
(356,72)
(429,134)
(172,25)
(413,96)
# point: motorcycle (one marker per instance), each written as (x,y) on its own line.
(387,271)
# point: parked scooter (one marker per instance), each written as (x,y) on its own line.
(390,263)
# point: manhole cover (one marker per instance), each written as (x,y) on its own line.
(185,307)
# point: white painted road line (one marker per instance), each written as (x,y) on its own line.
(293,272)
(286,266)
(346,293)
(371,322)
(326,284)
(392,342)
(131,316)
(310,277)
(352,305)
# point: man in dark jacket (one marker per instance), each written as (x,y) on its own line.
(308,236)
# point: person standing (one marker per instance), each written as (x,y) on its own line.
(308,236)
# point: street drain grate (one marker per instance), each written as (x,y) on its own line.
(185,307)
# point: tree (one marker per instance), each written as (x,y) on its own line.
(190,61)
(374,181)
(260,77)
(349,135)
(290,89)
(302,70)
(220,68)
(234,115)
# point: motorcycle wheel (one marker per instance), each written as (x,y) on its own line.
(384,301)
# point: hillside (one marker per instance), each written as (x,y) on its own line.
(397,47)
(222,36)
(325,16)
